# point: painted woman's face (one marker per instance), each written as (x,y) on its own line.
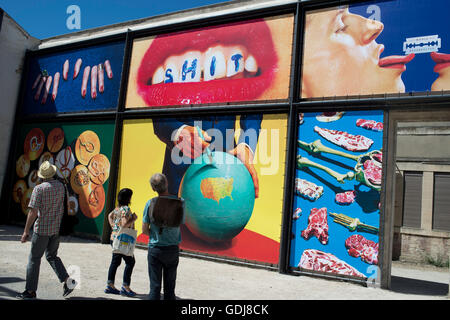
(342,58)
(443,69)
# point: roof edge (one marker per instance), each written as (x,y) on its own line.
(194,14)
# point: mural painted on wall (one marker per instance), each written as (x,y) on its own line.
(82,154)
(78,80)
(228,169)
(376,48)
(245,61)
(336,213)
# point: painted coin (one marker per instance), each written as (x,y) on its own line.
(73,206)
(79,179)
(19,190)
(55,140)
(33,179)
(34,143)
(99,169)
(65,161)
(26,200)
(46,156)
(22,166)
(92,201)
(87,145)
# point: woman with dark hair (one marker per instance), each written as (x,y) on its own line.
(121,217)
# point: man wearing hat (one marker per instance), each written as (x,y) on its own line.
(46,206)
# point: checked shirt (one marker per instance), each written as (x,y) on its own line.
(48,198)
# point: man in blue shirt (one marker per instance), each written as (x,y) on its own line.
(163,249)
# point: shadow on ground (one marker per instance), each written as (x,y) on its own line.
(415,286)
(14,233)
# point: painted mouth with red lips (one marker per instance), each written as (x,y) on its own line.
(254,37)
(442,61)
(396,62)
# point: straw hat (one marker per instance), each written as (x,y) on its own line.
(46,170)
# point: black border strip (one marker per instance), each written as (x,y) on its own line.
(117,142)
(292,120)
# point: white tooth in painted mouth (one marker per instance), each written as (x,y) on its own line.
(251,65)
(158,76)
(216,63)
(171,70)
(191,68)
(235,63)
(215,66)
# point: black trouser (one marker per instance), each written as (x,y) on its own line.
(115,263)
(162,267)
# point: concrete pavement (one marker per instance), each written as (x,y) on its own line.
(199,279)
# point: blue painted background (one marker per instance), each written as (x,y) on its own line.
(407,19)
(69,97)
(365,206)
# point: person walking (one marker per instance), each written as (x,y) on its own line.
(46,209)
(121,217)
(163,249)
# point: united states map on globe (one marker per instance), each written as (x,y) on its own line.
(216,188)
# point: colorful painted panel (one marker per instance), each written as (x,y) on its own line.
(232,210)
(82,154)
(396,46)
(245,61)
(78,80)
(336,209)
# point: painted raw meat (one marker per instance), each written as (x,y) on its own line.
(317,225)
(358,246)
(373,171)
(347,197)
(317,260)
(345,140)
(370,124)
(308,190)
(297,213)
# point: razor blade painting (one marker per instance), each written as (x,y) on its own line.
(86,79)
(376,48)
(336,209)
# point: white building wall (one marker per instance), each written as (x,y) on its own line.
(14,42)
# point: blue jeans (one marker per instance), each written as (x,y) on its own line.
(39,245)
(162,267)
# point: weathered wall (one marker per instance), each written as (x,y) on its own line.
(14,42)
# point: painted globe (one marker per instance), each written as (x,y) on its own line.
(219,196)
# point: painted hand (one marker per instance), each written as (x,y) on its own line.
(190,143)
(243,153)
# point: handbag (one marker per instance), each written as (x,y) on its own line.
(125,241)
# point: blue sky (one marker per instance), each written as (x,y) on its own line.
(47,18)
